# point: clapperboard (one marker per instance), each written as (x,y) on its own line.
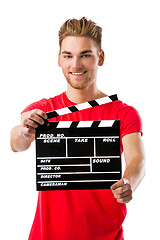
(74,155)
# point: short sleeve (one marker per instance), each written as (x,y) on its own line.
(130,122)
(36,105)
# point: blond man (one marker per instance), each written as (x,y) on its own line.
(83,214)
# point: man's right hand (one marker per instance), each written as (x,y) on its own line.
(29,122)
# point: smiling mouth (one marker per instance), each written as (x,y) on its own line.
(78,73)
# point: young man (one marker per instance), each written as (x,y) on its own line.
(83,214)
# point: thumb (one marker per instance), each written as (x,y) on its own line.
(118,184)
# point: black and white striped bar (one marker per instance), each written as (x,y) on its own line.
(82,106)
(78,155)
(83,124)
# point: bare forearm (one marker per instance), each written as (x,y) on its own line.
(135,159)
(135,168)
(17,141)
(135,171)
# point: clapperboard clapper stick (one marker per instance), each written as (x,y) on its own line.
(82,106)
(74,155)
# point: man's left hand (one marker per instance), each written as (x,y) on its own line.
(122,191)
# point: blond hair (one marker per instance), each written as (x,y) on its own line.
(81,28)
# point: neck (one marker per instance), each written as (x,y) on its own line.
(83,95)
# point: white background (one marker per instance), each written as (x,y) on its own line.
(29,72)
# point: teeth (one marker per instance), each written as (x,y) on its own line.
(77,73)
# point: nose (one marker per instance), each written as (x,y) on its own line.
(76,64)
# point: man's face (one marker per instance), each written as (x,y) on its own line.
(79,59)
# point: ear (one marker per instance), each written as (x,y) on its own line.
(101,58)
(59,61)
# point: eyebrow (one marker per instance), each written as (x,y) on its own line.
(83,52)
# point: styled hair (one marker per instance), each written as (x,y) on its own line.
(81,28)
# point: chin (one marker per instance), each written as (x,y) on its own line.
(80,85)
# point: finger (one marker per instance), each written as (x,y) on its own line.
(125,199)
(29,123)
(41,113)
(28,131)
(123,193)
(31,130)
(35,115)
(122,189)
(118,184)
(36,118)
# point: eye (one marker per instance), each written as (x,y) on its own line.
(67,56)
(86,56)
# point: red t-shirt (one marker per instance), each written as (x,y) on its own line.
(82,214)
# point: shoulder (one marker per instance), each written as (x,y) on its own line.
(129,117)
(124,110)
(119,110)
(45,104)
